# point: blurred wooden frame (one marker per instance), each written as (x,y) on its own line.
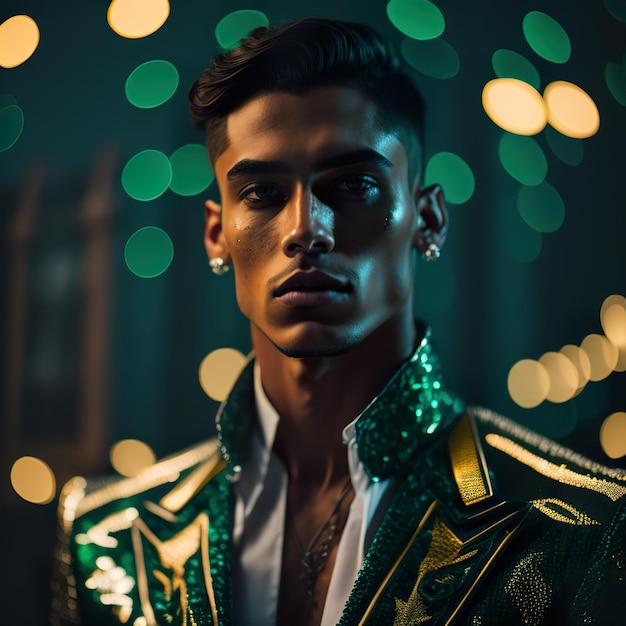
(85,451)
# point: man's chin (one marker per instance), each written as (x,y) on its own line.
(313,352)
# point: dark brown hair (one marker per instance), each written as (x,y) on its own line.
(298,56)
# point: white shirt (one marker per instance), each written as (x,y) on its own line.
(258,533)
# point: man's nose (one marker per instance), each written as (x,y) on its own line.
(310,225)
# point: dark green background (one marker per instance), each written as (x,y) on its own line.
(499,311)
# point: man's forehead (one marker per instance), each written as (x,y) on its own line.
(324,121)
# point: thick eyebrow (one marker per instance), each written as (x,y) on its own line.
(247,167)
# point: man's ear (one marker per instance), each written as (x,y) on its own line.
(432,217)
(214,241)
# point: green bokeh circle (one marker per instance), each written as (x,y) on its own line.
(151,84)
(435,58)
(617,8)
(523,159)
(541,207)
(148,252)
(147,175)
(235,26)
(11,126)
(546,37)
(567,149)
(453,174)
(615,77)
(510,64)
(418,19)
(191,171)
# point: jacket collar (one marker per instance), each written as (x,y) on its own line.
(406,416)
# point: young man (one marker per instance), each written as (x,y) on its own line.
(348,485)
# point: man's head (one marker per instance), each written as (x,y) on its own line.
(298,56)
(313,135)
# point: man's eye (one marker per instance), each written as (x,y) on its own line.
(358,184)
(262,193)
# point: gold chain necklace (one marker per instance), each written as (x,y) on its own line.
(313,559)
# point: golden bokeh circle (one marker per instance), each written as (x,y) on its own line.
(571,110)
(19,38)
(130,456)
(219,371)
(581,362)
(603,356)
(528,383)
(135,19)
(613,320)
(613,435)
(563,376)
(33,480)
(515,106)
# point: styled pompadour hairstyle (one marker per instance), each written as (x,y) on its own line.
(298,56)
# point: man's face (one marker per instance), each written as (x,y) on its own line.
(317,219)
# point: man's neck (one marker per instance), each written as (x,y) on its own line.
(317,398)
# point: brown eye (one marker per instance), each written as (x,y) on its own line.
(262,193)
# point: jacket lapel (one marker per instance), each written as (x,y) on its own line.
(435,545)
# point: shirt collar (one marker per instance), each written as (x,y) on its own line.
(407,415)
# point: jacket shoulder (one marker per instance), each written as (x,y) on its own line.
(81,496)
(528,466)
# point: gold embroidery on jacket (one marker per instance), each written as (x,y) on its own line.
(445,549)
(113,585)
(563,512)
(528,589)
(100,533)
(174,554)
(566,476)
(468,464)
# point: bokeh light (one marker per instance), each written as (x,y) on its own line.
(546,37)
(617,8)
(614,325)
(602,355)
(519,240)
(510,64)
(219,371)
(453,174)
(151,84)
(19,38)
(515,106)
(191,171)
(147,175)
(11,125)
(571,110)
(33,480)
(149,252)
(567,149)
(135,19)
(613,322)
(613,435)
(232,28)
(418,19)
(528,383)
(581,362)
(434,57)
(563,376)
(541,207)
(130,456)
(523,159)
(615,78)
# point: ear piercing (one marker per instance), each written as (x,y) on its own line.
(432,253)
(218,267)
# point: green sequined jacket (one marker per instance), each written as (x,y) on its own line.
(490,524)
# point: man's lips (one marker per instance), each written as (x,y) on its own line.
(314,281)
